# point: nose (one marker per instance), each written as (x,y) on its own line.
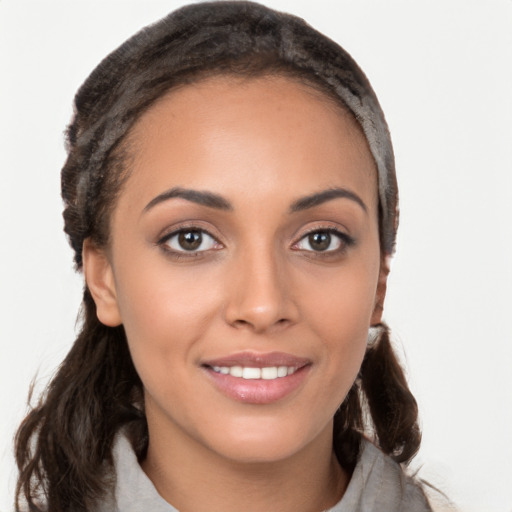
(260,293)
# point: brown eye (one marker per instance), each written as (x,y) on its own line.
(319,241)
(324,240)
(190,240)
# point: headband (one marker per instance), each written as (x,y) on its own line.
(202,38)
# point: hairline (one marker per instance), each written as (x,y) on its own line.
(123,152)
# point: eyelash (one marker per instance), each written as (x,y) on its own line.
(164,242)
(345,241)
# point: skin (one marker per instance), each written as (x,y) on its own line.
(258,286)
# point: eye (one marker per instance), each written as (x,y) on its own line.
(324,240)
(190,240)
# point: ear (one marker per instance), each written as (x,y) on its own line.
(99,278)
(380,294)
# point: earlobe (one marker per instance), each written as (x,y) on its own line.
(99,278)
(380,294)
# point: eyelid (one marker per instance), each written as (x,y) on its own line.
(168,234)
(191,225)
(345,239)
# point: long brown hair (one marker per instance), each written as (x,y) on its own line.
(64,445)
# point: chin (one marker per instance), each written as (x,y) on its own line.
(265,441)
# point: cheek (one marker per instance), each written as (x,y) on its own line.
(164,312)
(339,311)
(341,303)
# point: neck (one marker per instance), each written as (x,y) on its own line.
(193,478)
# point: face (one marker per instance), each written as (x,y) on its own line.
(244,264)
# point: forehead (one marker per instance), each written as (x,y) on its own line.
(267,132)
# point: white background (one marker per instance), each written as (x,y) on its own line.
(443,72)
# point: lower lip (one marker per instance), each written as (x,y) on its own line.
(258,391)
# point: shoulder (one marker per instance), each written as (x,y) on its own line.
(379,484)
(132,490)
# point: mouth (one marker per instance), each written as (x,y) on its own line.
(257,378)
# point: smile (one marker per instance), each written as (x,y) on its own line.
(247,372)
(255,378)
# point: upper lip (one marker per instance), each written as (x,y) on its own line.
(258,360)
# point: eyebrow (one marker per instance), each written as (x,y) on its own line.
(319,198)
(212,200)
(195,196)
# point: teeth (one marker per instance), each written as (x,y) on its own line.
(269,373)
(251,373)
(247,372)
(282,371)
(236,371)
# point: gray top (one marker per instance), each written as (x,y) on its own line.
(378,484)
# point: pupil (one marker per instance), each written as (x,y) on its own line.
(320,241)
(190,240)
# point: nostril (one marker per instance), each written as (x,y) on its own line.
(241,323)
(257,326)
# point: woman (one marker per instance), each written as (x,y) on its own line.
(230,196)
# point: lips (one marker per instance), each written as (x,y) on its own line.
(257,378)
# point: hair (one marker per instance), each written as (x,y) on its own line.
(64,445)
